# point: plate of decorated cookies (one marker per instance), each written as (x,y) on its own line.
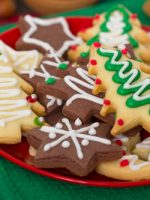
(75,98)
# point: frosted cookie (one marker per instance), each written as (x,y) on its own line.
(72,145)
(130,167)
(20,60)
(126,88)
(45,35)
(18,110)
(115,28)
(142,149)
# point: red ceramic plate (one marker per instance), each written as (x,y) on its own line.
(18,153)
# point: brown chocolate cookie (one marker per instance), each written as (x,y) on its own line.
(72,145)
(45,35)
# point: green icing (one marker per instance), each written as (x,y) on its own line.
(84,54)
(127,77)
(63,66)
(51,81)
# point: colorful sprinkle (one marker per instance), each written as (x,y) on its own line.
(124,163)
(31,98)
(96,44)
(106,102)
(120,122)
(124,51)
(119,142)
(39,121)
(93,62)
(73,47)
(98,81)
(97,16)
(133,16)
(63,66)
(51,81)
(84,54)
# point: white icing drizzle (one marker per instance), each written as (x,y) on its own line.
(8,106)
(74,135)
(78,122)
(74,83)
(33,22)
(19,57)
(53,100)
(121,137)
(114,37)
(92,131)
(132,73)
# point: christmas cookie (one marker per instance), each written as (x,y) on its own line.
(126,88)
(21,60)
(51,68)
(130,167)
(72,145)
(45,35)
(115,28)
(19,108)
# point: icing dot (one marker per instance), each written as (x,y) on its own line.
(97,16)
(124,152)
(39,121)
(63,66)
(120,122)
(65,144)
(78,122)
(119,142)
(106,102)
(84,54)
(84,142)
(50,81)
(98,81)
(58,125)
(92,131)
(73,47)
(93,62)
(32,98)
(52,135)
(124,51)
(133,16)
(96,44)
(124,163)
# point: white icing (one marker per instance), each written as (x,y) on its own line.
(115,36)
(58,125)
(85,142)
(19,58)
(53,100)
(65,144)
(88,83)
(52,135)
(122,138)
(132,73)
(7,103)
(145,144)
(78,122)
(92,131)
(33,22)
(74,135)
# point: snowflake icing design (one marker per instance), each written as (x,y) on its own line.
(73,134)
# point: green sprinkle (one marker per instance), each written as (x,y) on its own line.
(84,54)
(39,121)
(63,66)
(139,60)
(51,81)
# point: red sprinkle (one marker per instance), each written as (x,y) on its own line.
(124,152)
(93,62)
(120,122)
(133,16)
(32,98)
(97,16)
(97,44)
(106,102)
(83,30)
(119,142)
(124,163)
(73,47)
(98,81)
(124,51)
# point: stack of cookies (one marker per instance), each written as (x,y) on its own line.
(81,101)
